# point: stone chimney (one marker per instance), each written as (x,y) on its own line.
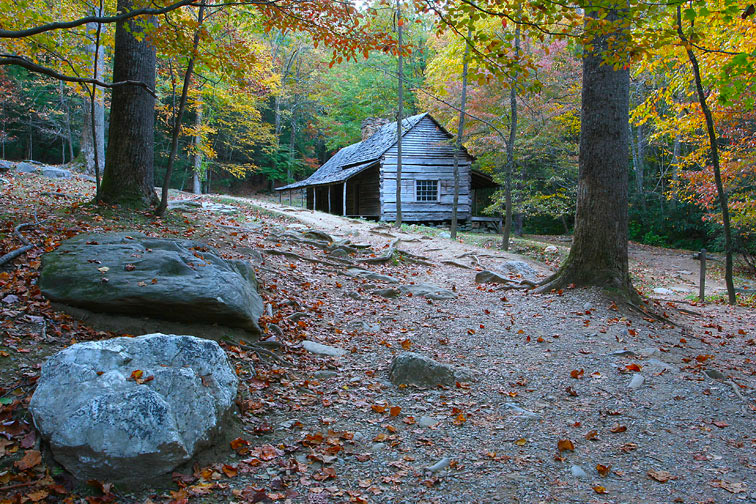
(371,125)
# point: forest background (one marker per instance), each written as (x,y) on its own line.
(268,104)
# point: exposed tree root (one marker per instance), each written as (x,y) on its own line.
(27,244)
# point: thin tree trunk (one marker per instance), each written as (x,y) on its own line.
(180,114)
(129,170)
(599,252)
(510,148)
(197,162)
(399,118)
(458,141)
(714,160)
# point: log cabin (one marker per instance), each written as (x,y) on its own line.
(360,179)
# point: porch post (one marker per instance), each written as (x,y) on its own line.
(344,198)
(289,197)
(329,198)
(314,197)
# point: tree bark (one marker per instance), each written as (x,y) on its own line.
(197,161)
(180,114)
(129,170)
(460,133)
(399,114)
(598,255)
(510,148)
(722,195)
(86,149)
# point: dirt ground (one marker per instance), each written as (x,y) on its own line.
(547,416)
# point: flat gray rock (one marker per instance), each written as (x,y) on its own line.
(27,167)
(6,165)
(429,291)
(663,292)
(637,381)
(518,269)
(101,423)
(410,368)
(55,172)
(320,349)
(370,275)
(131,274)
(490,277)
(388,293)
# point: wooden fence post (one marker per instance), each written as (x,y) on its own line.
(702,278)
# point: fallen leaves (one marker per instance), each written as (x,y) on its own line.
(603,470)
(30,459)
(565,445)
(660,476)
(732,487)
(577,374)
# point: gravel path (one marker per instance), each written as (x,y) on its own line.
(546,368)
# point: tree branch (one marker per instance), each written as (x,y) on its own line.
(63,25)
(9,59)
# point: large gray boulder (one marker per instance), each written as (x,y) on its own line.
(410,368)
(131,274)
(55,172)
(427,290)
(102,423)
(518,269)
(27,167)
(6,165)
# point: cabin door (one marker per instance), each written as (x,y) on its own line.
(356,198)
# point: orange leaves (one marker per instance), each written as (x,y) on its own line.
(633,367)
(565,445)
(378,408)
(603,470)
(30,459)
(599,489)
(460,419)
(406,344)
(617,428)
(394,411)
(577,374)
(591,435)
(240,446)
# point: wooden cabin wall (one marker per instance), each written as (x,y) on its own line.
(427,154)
(363,194)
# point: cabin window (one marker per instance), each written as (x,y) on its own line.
(426,190)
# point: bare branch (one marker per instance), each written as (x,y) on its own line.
(10,59)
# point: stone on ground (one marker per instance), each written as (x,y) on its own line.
(102,423)
(55,172)
(370,275)
(486,276)
(131,274)
(519,269)
(320,349)
(428,291)
(410,368)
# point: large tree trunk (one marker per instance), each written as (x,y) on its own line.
(599,252)
(400,112)
(460,132)
(197,161)
(129,171)
(86,148)
(510,149)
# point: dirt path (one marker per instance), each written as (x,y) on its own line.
(548,415)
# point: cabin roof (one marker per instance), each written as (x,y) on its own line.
(360,156)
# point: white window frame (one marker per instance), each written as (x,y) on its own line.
(438,191)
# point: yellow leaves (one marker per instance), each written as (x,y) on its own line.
(565,445)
